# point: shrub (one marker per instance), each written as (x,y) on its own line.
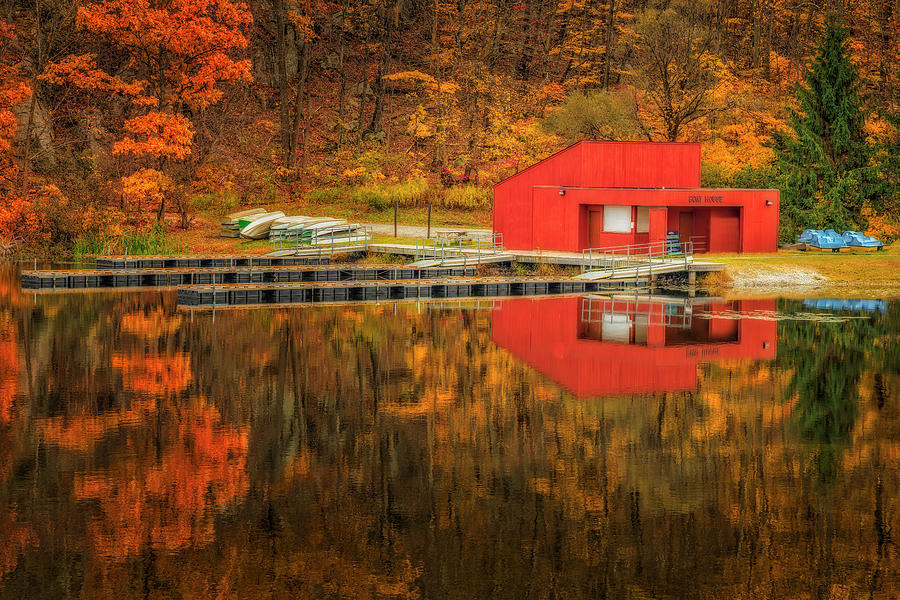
(324,195)
(382,196)
(598,115)
(465,196)
(223,202)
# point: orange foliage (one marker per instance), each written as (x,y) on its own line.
(885,227)
(9,375)
(155,375)
(156,134)
(188,41)
(81,71)
(169,504)
(178,56)
(81,432)
(150,325)
(144,185)
(16,537)
(13,89)
(17,219)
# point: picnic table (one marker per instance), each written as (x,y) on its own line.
(452,234)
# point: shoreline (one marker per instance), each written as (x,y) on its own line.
(787,273)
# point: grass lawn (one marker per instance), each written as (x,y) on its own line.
(203,237)
(838,267)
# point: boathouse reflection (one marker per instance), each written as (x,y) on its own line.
(598,345)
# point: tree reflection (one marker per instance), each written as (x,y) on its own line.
(387,451)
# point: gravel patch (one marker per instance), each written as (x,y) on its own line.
(775,277)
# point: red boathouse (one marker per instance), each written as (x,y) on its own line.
(607,194)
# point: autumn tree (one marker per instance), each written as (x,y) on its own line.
(165,62)
(825,157)
(17,219)
(678,71)
(599,115)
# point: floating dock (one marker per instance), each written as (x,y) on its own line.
(202,261)
(205,296)
(167,277)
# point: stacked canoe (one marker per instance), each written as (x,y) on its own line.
(231,226)
(316,231)
(259,223)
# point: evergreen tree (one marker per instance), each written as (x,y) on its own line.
(826,162)
(890,151)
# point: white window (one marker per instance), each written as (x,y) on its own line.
(643,219)
(617,219)
(616,328)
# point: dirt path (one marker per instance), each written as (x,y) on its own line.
(417,231)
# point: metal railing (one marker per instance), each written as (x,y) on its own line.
(637,257)
(474,248)
(327,243)
(700,243)
(668,314)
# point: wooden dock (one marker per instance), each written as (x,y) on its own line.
(206,261)
(168,277)
(388,290)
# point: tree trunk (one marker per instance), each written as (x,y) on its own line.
(287,146)
(342,99)
(610,42)
(26,151)
(300,103)
(377,122)
(437,159)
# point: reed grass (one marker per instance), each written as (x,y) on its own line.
(135,243)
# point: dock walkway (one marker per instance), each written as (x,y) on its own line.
(387,290)
(206,261)
(135,278)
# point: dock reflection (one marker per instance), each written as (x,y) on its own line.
(598,346)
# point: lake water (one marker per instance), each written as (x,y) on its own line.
(567,447)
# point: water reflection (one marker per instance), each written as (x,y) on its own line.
(846,304)
(563,447)
(596,345)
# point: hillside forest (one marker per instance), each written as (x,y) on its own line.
(135,117)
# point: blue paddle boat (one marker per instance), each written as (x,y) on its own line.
(827,239)
(855,239)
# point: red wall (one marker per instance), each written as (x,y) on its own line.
(545,334)
(594,164)
(638,165)
(513,196)
(560,222)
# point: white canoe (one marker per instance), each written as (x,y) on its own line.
(341,229)
(235,217)
(259,227)
(309,222)
(285,222)
(323,225)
